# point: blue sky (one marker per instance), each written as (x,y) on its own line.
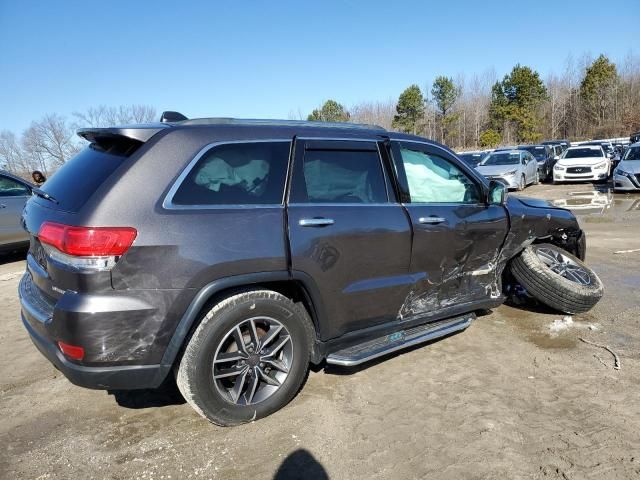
(266,59)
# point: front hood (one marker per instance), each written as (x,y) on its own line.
(536,202)
(632,166)
(570,162)
(496,170)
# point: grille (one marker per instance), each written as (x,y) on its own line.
(578,169)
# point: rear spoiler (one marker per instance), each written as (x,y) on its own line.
(140,133)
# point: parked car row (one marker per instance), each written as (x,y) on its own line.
(558,161)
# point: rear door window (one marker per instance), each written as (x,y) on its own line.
(248,173)
(345,176)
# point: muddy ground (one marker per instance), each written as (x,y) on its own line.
(508,398)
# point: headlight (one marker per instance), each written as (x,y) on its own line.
(558,167)
(617,171)
(512,172)
(600,165)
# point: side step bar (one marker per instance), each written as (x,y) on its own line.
(363,352)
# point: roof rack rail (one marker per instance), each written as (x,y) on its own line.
(171,116)
(291,123)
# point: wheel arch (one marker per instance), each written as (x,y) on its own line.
(296,289)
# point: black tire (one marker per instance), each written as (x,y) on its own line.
(523,183)
(195,372)
(554,289)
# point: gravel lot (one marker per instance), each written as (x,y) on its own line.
(514,396)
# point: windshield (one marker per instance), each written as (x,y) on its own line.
(538,152)
(502,158)
(583,152)
(632,154)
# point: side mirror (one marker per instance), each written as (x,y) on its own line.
(557,157)
(497,194)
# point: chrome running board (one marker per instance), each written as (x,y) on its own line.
(366,351)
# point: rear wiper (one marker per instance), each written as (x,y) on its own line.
(43,194)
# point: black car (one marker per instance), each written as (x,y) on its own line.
(234,253)
(545,157)
(471,158)
(563,143)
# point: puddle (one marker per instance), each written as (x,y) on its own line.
(595,202)
(548,330)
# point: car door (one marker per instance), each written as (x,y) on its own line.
(532,167)
(348,236)
(456,235)
(13,196)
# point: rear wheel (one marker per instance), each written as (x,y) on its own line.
(248,357)
(557,278)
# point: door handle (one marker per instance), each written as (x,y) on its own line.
(315,222)
(2,205)
(431,220)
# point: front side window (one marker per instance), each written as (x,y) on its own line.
(237,174)
(432,179)
(11,188)
(339,176)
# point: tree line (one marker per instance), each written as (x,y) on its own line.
(592,98)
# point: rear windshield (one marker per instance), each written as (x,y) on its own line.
(539,152)
(80,177)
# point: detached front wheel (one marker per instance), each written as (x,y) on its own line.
(557,278)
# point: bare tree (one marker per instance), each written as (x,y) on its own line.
(51,139)
(374,113)
(103,116)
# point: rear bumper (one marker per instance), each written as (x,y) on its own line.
(128,377)
(118,342)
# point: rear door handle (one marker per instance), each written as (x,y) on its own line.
(431,220)
(315,222)
(2,205)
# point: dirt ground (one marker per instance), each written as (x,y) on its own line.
(514,396)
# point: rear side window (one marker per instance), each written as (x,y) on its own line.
(237,174)
(80,177)
(339,176)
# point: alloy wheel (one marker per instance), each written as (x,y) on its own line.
(252,361)
(563,266)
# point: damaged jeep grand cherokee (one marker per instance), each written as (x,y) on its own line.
(234,253)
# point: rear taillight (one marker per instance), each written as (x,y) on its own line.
(86,247)
(71,351)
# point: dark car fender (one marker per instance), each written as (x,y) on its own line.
(534,221)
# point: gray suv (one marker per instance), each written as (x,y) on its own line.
(234,253)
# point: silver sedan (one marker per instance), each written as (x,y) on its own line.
(515,168)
